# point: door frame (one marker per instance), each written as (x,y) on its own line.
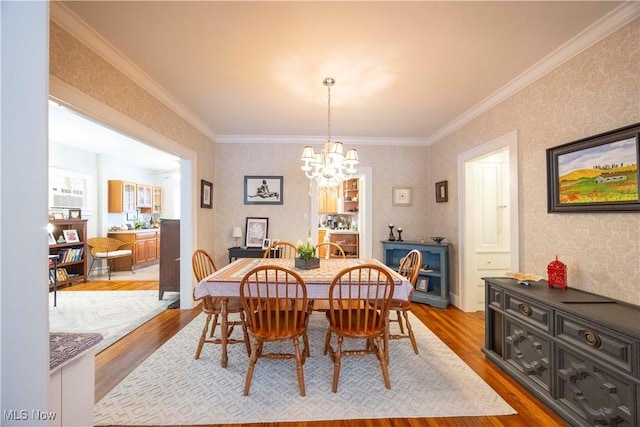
(89,107)
(365,173)
(509,141)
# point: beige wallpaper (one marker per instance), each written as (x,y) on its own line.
(596,91)
(390,166)
(77,65)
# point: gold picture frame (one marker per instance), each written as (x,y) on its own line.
(402,196)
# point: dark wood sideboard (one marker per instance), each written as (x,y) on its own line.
(576,351)
(169,280)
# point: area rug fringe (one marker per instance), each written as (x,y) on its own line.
(172,388)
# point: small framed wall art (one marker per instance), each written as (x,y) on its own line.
(206,191)
(402,196)
(442,192)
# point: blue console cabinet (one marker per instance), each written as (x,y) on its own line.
(432,285)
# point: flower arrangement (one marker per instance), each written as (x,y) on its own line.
(306,251)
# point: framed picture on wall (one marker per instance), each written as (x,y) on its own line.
(263,190)
(402,196)
(442,192)
(595,174)
(256,231)
(206,190)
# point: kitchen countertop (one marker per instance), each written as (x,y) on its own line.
(141,230)
(330,231)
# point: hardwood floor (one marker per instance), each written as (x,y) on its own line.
(462,332)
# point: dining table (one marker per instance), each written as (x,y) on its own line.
(225,283)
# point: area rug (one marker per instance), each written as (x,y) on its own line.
(172,388)
(112,313)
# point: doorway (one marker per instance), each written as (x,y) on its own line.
(110,118)
(488,219)
(365,175)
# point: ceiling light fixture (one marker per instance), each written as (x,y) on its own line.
(330,166)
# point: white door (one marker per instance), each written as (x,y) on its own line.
(490,232)
(488,222)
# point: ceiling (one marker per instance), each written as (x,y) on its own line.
(68,128)
(404,71)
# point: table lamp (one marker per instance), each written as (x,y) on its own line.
(236,234)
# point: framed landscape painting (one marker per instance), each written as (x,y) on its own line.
(598,173)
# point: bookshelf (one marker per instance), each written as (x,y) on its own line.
(71,256)
(432,285)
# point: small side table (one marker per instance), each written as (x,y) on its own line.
(240,252)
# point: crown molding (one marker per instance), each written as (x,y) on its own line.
(68,20)
(317,140)
(597,31)
(611,22)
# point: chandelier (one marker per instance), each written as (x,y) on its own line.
(330,166)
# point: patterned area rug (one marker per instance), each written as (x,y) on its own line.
(112,313)
(172,388)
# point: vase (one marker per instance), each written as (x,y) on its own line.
(307,264)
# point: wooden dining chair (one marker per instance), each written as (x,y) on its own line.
(330,249)
(275,301)
(410,268)
(281,249)
(359,298)
(203,266)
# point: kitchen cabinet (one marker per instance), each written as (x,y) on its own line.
(577,352)
(432,284)
(350,196)
(145,247)
(156,200)
(348,241)
(143,194)
(321,250)
(122,196)
(327,200)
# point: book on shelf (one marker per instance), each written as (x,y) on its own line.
(70,255)
(61,274)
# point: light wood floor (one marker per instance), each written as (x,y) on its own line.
(462,332)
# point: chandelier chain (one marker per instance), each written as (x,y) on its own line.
(330,166)
(329,111)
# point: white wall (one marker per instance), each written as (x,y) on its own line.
(99,168)
(24,324)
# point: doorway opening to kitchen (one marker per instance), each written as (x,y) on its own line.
(341,217)
(177,179)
